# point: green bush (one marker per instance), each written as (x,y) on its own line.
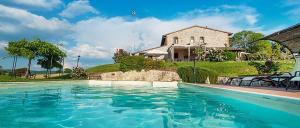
(266,68)
(201,74)
(132,63)
(231,56)
(139,62)
(150,64)
(79,73)
(215,55)
(119,55)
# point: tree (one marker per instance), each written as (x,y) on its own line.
(276,52)
(245,40)
(199,51)
(50,56)
(29,51)
(263,48)
(119,55)
(14,50)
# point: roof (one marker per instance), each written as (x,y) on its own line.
(161,48)
(198,27)
(230,49)
(289,37)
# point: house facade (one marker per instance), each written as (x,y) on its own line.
(180,45)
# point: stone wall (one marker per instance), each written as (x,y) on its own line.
(151,75)
(213,38)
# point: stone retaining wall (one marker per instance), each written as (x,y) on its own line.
(151,75)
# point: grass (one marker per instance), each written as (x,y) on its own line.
(228,68)
(104,68)
(7,78)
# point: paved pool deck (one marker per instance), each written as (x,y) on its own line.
(279,92)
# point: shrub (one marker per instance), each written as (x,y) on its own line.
(255,56)
(79,73)
(139,62)
(229,55)
(119,55)
(268,67)
(215,55)
(132,63)
(150,64)
(201,74)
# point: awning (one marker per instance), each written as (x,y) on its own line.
(289,37)
(156,52)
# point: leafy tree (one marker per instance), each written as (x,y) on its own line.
(215,55)
(14,50)
(245,40)
(276,52)
(29,51)
(119,55)
(266,68)
(199,51)
(231,56)
(50,56)
(263,48)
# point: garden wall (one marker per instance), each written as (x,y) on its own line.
(151,75)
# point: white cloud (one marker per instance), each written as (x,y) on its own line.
(77,8)
(17,23)
(87,51)
(293,8)
(97,37)
(133,35)
(291,2)
(235,12)
(47,4)
(295,12)
(3,44)
(251,19)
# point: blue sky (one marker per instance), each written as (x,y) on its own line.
(94,28)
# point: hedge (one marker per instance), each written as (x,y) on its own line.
(201,74)
(138,63)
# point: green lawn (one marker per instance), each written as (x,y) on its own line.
(104,68)
(228,68)
(7,78)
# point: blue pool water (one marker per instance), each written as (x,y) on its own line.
(75,104)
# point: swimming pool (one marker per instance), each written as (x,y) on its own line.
(76,104)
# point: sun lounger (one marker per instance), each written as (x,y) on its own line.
(295,80)
(281,79)
(249,80)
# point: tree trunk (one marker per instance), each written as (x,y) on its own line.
(13,66)
(47,72)
(28,69)
(51,66)
(63,63)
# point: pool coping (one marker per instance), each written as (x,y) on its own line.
(260,91)
(274,93)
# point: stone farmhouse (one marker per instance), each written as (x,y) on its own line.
(180,45)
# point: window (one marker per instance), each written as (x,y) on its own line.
(176,55)
(175,40)
(192,39)
(201,40)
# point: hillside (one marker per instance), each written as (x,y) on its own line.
(228,68)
